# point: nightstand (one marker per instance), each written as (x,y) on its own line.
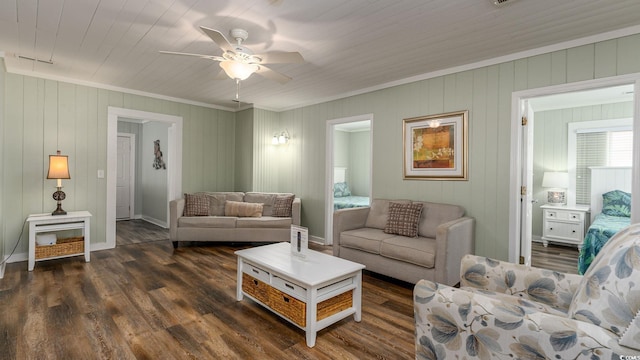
(564,224)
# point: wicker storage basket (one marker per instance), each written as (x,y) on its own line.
(62,247)
(288,306)
(335,305)
(255,288)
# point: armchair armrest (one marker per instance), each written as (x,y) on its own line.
(176,209)
(454,323)
(347,219)
(454,239)
(541,285)
(295,211)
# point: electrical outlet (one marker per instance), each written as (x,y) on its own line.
(100,174)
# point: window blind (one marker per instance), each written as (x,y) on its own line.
(591,150)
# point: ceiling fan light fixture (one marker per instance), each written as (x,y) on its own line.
(238,70)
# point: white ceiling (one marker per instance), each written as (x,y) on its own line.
(349,46)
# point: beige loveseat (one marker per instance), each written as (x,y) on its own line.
(444,236)
(218,216)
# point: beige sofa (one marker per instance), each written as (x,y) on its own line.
(214,225)
(444,236)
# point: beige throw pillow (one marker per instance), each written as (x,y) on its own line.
(196,205)
(403,219)
(242,209)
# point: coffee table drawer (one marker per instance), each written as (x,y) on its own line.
(256,272)
(288,306)
(256,288)
(289,287)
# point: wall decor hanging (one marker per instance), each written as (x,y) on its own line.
(158,162)
(436,146)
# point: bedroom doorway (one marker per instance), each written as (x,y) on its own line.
(348,167)
(551,114)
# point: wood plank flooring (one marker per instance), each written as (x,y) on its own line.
(145,300)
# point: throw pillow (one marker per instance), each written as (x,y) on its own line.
(403,219)
(616,203)
(282,205)
(341,189)
(242,209)
(216,204)
(196,205)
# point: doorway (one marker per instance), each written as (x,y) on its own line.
(349,158)
(526,175)
(173,154)
(126,175)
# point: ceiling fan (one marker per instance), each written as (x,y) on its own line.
(239,62)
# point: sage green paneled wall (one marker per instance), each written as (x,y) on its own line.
(244,151)
(41,116)
(485,92)
(154,181)
(341,149)
(550,146)
(2,162)
(360,162)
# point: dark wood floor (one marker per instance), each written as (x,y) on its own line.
(145,300)
(555,257)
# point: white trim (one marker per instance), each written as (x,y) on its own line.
(154,221)
(328,222)
(132,172)
(174,181)
(516,143)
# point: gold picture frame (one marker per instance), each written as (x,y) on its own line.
(435,147)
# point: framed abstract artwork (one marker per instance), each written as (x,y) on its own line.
(435,147)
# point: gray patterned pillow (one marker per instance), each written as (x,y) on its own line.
(196,205)
(282,206)
(403,219)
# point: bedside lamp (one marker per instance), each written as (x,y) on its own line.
(58,169)
(558,182)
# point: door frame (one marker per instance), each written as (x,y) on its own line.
(516,171)
(328,219)
(174,171)
(132,173)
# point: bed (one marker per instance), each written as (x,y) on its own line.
(342,197)
(610,210)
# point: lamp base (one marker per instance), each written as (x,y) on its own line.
(59,196)
(557,198)
(58,210)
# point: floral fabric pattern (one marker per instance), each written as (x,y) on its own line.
(616,203)
(341,189)
(505,310)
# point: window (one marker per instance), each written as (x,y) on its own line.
(600,147)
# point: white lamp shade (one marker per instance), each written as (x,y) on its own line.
(558,180)
(238,70)
(58,167)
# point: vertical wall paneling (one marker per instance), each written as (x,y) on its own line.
(2,163)
(14,212)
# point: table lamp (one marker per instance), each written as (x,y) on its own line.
(58,169)
(558,182)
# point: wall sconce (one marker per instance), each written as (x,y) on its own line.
(558,182)
(58,169)
(280,139)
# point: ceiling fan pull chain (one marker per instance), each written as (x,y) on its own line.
(238,92)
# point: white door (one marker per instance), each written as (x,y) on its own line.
(123,182)
(526,200)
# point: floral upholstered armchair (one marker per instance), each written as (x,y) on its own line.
(505,310)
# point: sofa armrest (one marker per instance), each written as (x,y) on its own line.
(347,219)
(454,239)
(295,211)
(455,323)
(176,209)
(541,285)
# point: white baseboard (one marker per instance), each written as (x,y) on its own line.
(17,257)
(162,224)
(317,239)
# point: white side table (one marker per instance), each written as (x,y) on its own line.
(564,224)
(39,223)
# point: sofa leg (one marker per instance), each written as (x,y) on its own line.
(175,244)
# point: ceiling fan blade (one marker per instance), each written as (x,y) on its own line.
(218,38)
(273,75)
(210,57)
(277,57)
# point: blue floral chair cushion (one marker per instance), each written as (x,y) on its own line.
(506,310)
(616,203)
(341,189)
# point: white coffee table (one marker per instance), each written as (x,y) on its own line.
(311,293)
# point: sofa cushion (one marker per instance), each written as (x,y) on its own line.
(196,205)
(216,204)
(379,212)
(434,214)
(415,250)
(403,219)
(242,209)
(263,222)
(282,206)
(207,221)
(266,199)
(609,293)
(365,239)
